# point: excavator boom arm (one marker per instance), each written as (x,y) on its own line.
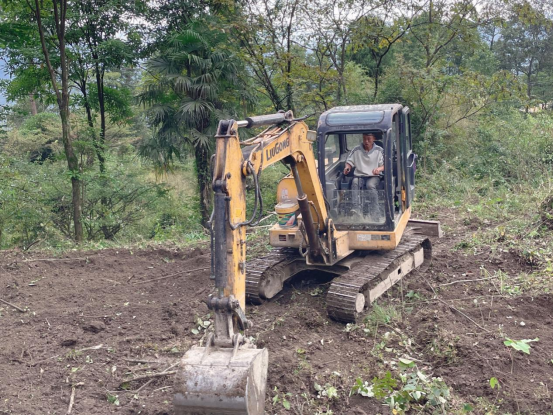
(286,142)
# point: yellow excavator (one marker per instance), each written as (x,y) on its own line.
(328,221)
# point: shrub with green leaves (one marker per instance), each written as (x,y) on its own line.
(117,201)
(35,201)
(38,138)
(520,345)
(24,217)
(410,389)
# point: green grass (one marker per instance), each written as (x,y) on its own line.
(501,218)
(380,315)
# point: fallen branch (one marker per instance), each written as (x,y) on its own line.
(26,248)
(143,361)
(455,309)
(179,274)
(152,375)
(55,259)
(265,218)
(463,314)
(12,305)
(459,281)
(330,361)
(72,398)
(470,298)
(162,388)
(42,361)
(250,229)
(112,281)
(91,348)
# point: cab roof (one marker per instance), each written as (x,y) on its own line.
(358,117)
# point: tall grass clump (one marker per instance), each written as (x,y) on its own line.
(509,152)
(496,184)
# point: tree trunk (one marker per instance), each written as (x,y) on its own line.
(73,165)
(289,91)
(204,181)
(529,82)
(102,105)
(108,233)
(90,121)
(60,9)
(33,104)
(375,84)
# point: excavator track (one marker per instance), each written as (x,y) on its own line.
(257,271)
(360,279)
(372,276)
(265,276)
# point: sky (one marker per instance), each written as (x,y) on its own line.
(3,75)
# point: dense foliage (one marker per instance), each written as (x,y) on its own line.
(113,106)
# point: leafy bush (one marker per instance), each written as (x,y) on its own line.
(178,217)
(410,389)
(35,202)
(24,218)
(38,138)
(116,200)
(546,212)
(112,201)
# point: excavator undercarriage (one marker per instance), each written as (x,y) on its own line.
(359,279)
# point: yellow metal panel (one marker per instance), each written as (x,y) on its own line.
(291,236)
(366,240)
(342,245)
(286,189)
(228,166)
(292,142)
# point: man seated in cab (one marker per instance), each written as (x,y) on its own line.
(368,160)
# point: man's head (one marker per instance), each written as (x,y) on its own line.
(368,141)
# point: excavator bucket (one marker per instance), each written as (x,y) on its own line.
(221,381)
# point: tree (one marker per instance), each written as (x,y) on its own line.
(266,31)
(60,8)
(375,35)
(188,88)
(331,27)
(98,47)
(23,57)
(526,47)
(441,24)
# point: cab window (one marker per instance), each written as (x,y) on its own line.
(332,149)
(353,140)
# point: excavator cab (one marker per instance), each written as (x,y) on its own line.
(378,207)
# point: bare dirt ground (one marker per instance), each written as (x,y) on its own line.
(94,321)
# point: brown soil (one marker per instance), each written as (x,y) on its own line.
(90,317)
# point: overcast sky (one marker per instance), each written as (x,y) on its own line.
(3,75)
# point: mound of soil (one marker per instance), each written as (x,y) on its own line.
(89,323)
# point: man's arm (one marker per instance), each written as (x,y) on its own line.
(380,167)
(349,163)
